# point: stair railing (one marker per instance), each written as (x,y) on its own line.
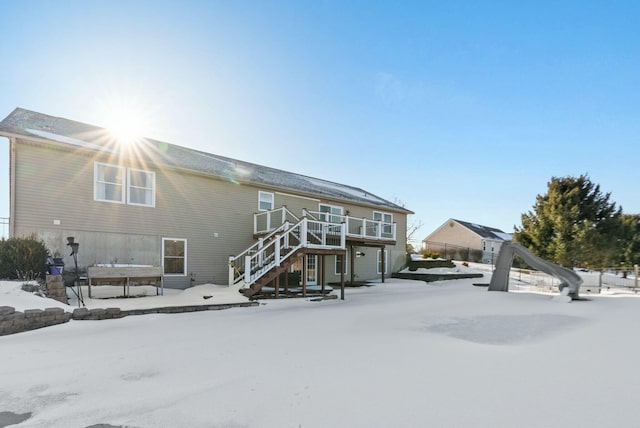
(268,253)
(267,221)
(360,227)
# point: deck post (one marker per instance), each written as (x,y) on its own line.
(277,286)
(321,261)
(384,262)
(353,265)
(304,275)
(247,269)
(277,250)
(231,272)
(342,256)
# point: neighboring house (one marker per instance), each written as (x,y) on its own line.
(199,216)
(461,236)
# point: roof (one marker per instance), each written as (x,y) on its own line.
(29,124)
(486,232)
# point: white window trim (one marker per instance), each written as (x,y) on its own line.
(95,183)
(185,257)
(388,224)
(125,196)
(153,187)
(273,200)
(330,213)
(379,262)
(346,264)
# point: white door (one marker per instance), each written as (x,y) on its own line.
(312,270)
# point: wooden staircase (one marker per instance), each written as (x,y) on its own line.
(273,274)
(261,263)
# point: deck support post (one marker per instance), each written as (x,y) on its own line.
(304,275)
(322,273)
(353,264)
(384,262)
(343,259)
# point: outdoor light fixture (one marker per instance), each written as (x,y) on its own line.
(74,252)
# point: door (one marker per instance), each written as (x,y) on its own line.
(312,269)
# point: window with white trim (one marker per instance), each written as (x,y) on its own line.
(386,219)
(108,183)
(330,209)
(174,256)
(379,261)
(338,264)
(112,182)
(141,187)
(265,201)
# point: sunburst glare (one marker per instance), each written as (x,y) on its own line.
(127,120)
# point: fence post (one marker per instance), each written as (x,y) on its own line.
(600,280)
(636,268)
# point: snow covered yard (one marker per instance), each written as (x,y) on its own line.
(403,353)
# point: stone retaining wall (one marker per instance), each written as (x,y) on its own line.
(12,321)
(432,277)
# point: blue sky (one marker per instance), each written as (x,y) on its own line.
(457,109)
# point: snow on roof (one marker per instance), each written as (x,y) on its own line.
(68,140)
(486,231)
(22,122)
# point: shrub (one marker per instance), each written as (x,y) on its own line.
(428,254)
(22,258)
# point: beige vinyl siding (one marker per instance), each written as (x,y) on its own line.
(54,198)
(454,233)
(188,206)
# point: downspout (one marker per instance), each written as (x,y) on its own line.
(12,187)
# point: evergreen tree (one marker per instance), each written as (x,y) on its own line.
(573,224)
(629,239)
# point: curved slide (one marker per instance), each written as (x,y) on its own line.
(500,278)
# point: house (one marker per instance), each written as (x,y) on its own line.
(203,218)
(466,241)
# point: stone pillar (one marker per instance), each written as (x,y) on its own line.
(55,288)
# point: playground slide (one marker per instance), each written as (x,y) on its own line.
(500,278)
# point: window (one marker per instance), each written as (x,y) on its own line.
(108,183)
(265,201)
(174,256)
(330,209)
(142,186)
(387,221)
(379,261)
(338,264)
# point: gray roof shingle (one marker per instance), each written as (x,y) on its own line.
(485,231)
(30,124)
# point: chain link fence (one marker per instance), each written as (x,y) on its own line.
(456,252)
(4,227)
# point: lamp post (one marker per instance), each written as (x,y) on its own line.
(74,252)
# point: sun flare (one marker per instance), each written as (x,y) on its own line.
(126,120)
(126,125)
